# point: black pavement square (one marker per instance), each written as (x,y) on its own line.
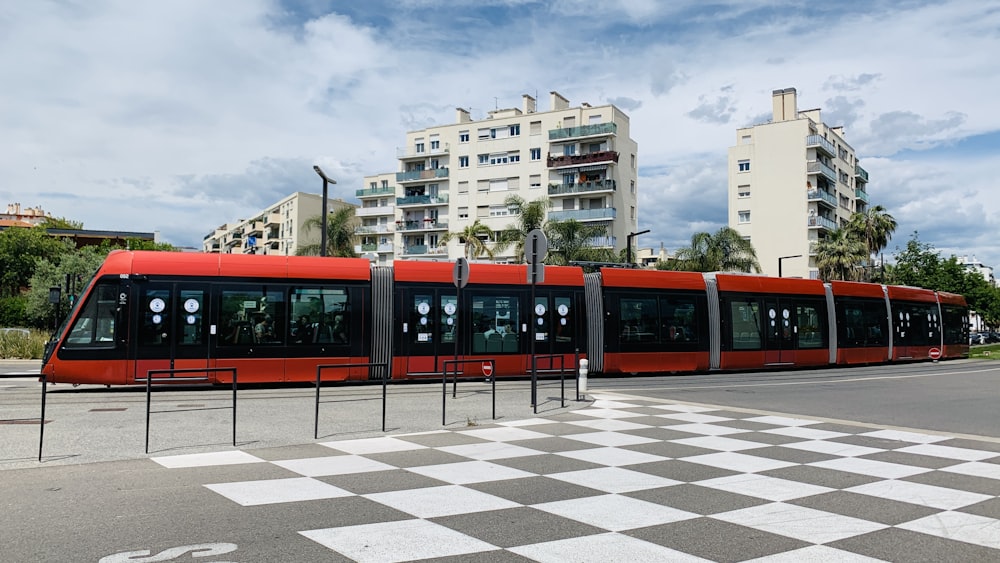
(988,508)
(821,476)
(717,540)
(767,438)
(302,451)
(559,428)
(659,433)
(748,425)
(842,428)
(553,444)
(949,480)
(496,556)
(972,445)
(696,499)
(669,449)
(516,526)
(680,470)
(381,481)
(441,439)
(546,464)
(894,544)
(792,455)
(416,458)
(906,458)
(865,507)
(535,490)
(871,442)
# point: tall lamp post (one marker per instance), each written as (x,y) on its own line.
(783,258)
(322,236)
(628,245)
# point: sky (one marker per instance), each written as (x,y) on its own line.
(181,116)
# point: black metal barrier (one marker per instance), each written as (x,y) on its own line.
(454,389)
(562,378)
(171,380)
(319,371)
(41,419)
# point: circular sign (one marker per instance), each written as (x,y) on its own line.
(157,319)
(539,309)
(784,313)
(772,313)
(423,308)
(563,310)
(487,368)
(191,305)
(157,305)
(562,322)
(190,319)
(449,308)
(450,321)
(423,320)
(934,353)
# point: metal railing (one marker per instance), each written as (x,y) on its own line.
(454,390)
(319,381)
(583,131)
(150,377)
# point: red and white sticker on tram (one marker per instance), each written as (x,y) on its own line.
(934,353)
(488,369)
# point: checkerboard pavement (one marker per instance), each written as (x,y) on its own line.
(630,479)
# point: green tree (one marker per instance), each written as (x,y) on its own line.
(472,237)
(79,264)
(530,216)
(61,223)
(20,251)
(874,228)
(569,241)
(725,251)
(839,256)
(339,232)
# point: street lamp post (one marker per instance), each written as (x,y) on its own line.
(784,257)
(323,226)
(628,245)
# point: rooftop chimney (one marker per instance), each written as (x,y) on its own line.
(784,104)
(527,104)
(557,101)
(462,115)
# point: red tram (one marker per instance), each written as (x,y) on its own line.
(275,318)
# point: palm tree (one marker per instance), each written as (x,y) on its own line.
(470,236)
(839,256)
(874,228)
(530,216)
(569,240)
(340,235)
(725,251)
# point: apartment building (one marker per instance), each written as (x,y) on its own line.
(581,159)
(792,181)
(277,229)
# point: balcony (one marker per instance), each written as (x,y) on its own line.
(255,229)
(818,142)
(373,230)
(602,242)
(272,219)
(375,211)
(861,194)
(410,200)
(372,247)
(421,225)
(418,175)
(860,172)
(598,186)
(411,152)
(817,167)
(824,196)
(578,159)
(372,192)
(597,129)
(822,223)
(583,214)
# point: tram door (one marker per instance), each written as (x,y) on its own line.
(171,328)
(428,328)
(780,328)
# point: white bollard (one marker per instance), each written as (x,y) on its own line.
(584,368)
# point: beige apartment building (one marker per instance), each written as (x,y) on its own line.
(277,229)
(581,159)
(792,181)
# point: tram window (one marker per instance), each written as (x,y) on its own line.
(955,325)
(95,325)
(190,313)
(564,319)
(319,315)
(422,321)
(639,320)
(875,325)
(255,315)
(154,325)
(810,326)
(678,317)
(746,325)
(449,317)
(540,316)
(495,324)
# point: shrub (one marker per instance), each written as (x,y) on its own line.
(17,345)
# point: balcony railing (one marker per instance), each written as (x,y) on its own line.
(818,141)
(583,214)
(578,159)
(272,219)
(411,152)
(375,211)
(597,186)
(583,131)
(861,173)
(602,242)
(817,167)
(373,230)
(440,199)
(861,194)
(416,175)
(421,225)
(822,195)
(371,192)
(822,222)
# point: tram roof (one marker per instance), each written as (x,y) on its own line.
(484,274)
(237,265)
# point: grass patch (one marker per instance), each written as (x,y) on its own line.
(14,345)
(985,352)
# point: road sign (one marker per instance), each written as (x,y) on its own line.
(536,247)
(487,369)
(536,273)
(934,353)
(461,275)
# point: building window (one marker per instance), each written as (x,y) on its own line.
(463,212)
(484,134)
(463,136)
(385,184)
(435,145)
(632,186)
(484,159)
(744,216)
(536,154)
(535,128)
(463,187)
(420,148)
(633,162)
(499,185)
(515,157)
(499,211)
(373,185)
(463,162)
(745,140)
(514,130)
(743,191)
(743,166)
(631,214)
(594,119)
(535,181)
